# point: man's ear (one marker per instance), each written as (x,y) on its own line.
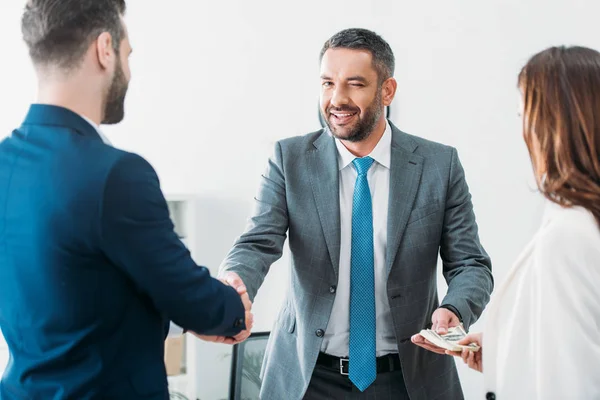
(389,91)
(104,48)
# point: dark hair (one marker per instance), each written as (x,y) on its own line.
(561,94)
(364,39)
(58,32)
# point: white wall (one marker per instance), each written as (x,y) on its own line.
(216,83)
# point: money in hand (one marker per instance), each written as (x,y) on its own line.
(450,340)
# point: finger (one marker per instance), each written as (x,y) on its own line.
(242,336)
(417,338)
(214,339)
(420,340)
(465,355)
(454,353)
(434,322)
(430,347)
(433,349)
(471,361)
(229,341)
(246,301)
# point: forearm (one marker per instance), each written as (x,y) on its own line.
(467,266)
(251,259)
(262,243)
(469,292)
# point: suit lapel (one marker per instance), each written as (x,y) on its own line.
(405,176)
(324,178)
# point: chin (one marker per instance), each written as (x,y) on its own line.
(346,132)
(113,117)
(112,121)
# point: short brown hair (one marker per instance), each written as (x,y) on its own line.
(364,39)
(58,32)
(561,93)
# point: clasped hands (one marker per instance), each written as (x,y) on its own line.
(232,279)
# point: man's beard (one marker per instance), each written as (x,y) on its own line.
(363,128)
(114,109)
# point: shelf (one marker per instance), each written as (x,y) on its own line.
(182,210)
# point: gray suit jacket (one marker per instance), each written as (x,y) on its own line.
(430,212)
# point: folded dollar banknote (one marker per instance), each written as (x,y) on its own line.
(450,340)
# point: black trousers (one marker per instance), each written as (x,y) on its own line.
(327,383)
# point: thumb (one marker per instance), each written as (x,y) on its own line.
(235,282)
(442,326)
(470,338)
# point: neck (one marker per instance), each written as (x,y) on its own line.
(366,146)
(73,93)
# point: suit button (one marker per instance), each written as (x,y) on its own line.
(238,323)
(490,396)
(332,289)
(320,332)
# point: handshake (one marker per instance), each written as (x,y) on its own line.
(232,279)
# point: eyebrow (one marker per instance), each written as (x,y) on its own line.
(357,78)
(352,78)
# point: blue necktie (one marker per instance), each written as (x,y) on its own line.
(362,368)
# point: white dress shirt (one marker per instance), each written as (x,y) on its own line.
(97,128)
(542,333)
(336,339)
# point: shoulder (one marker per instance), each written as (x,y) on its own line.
(303,142)
(129,167)
(290,150)
(425,148)
(572,226)
(569,237)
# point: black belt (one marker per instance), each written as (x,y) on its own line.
(387,363)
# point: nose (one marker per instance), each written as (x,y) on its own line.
(339,97)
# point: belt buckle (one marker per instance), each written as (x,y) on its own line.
(344,371)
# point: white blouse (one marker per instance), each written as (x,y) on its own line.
(542,333)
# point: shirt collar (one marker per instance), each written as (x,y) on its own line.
(97,128)
(382,153)
(551,209)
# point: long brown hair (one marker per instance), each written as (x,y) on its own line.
(561,124)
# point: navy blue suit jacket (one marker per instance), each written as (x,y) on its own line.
(91,268)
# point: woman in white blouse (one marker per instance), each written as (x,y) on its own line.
(542,334)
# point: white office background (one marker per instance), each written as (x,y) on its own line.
(216,83)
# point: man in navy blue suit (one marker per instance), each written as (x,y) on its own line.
(91,269)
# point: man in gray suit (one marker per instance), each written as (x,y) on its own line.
(367,209)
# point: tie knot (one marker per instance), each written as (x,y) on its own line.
(362,165)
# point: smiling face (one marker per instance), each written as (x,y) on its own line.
(351,94)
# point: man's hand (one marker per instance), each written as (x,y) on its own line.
(441,320)
(474,359)
(232,279)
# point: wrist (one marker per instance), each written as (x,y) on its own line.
(453,309)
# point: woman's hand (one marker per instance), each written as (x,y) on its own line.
(473,359)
